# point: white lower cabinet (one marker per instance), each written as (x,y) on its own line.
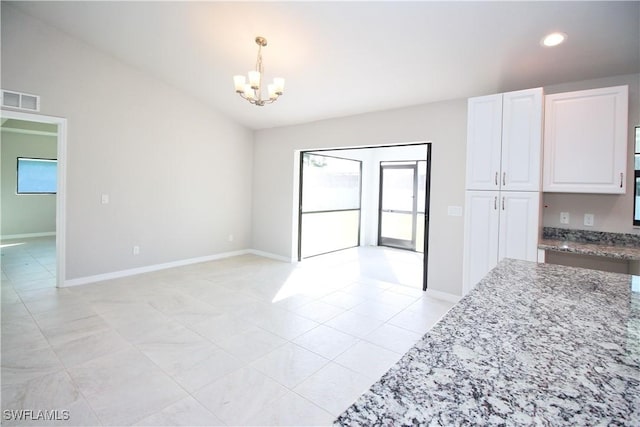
(498,224)
(481,229)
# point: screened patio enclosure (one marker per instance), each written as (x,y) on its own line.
(363,197)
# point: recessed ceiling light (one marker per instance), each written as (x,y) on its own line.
(553,39)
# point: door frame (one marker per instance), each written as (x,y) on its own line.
(427,145)
(61,191)
(427,204)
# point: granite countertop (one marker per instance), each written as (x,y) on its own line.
(596,249)
(597,243)
(532,344)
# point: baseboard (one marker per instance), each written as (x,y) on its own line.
(272,256)
(150,268)
(443,295)
(27,235)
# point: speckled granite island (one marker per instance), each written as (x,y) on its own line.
(532,344)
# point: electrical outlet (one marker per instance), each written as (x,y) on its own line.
(230,238)
(136,250)
(588,220)
(564,217)
(105,199)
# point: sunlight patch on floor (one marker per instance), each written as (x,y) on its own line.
(8,245)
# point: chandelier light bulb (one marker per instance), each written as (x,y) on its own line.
(254,79)
(249,92)
(278,82)
(239,82)
(272,91)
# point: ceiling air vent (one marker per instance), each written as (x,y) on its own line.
(20,101)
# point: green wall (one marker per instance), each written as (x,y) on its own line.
(32,213)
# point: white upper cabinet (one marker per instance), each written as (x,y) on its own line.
(484,140)
(522,140)
(585,141)
(504,141)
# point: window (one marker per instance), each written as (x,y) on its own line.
(636,186)
(37,176)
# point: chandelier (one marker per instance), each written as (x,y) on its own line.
(252,91)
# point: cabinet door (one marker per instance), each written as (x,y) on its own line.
(585,141)
(519,225)
(521,140)
(484,135)
(480,236)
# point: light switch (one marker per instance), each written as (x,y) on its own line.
(105,199)
(564,217)
(454,210)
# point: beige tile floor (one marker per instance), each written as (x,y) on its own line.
(239,341)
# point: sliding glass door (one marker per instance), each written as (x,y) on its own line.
(330,204)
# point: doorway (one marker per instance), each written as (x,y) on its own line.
(404,267)
(32,122)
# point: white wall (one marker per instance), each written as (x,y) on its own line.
(613,213)
(25,213)
(276,176)
(178,174)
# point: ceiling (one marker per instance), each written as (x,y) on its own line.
(344,58)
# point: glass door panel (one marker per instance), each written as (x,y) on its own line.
(398,206)
(326,232)
(330,204)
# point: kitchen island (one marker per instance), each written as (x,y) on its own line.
(532,344)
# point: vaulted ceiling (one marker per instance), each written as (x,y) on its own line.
(343,58)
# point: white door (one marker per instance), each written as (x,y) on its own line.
(519,225)
(480,236)
(484,134)
(521,140)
